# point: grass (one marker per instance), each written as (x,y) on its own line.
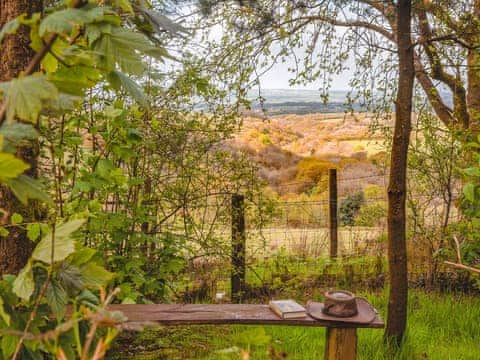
(310,241)
(440,326)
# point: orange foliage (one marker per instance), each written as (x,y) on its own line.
(313,169)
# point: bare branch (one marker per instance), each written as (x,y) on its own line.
(463,267)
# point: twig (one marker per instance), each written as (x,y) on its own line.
(88,342)
(464,267)
(457,246)
(459,264)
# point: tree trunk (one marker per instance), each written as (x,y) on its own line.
(15,249)
(473,61)
(397,247)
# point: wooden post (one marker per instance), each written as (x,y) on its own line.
(349,275)
(341,344)
(333,223)
(238,248)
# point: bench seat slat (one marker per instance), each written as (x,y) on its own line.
(251,314)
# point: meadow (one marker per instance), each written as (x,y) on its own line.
(312,241)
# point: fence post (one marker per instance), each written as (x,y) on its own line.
(237,279)
(332,204)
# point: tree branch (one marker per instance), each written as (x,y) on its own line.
(444,112)
(460,109)
(463,267)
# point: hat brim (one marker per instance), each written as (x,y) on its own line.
(366,313)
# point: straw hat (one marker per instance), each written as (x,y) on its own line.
(342,306)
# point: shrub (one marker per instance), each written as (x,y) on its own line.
(360,155)
(313,169)
(372,191)
(349,208)
(380,159)
(373,214)
(265,139)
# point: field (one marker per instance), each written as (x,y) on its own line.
(311,241)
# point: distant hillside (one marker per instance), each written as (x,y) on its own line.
(294,152)
(302,102)
(291,101)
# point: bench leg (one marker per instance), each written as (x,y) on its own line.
(341,344)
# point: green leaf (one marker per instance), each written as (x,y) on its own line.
(33,231)
(10,27)
(16,218)
(124,47)
(162,23)
(115,50)
(95,275)
(254,337)
(64,244)
(473,171)
(24,187)
(10,167)
(469,192)
(82,256)
(3,314)
(125,5)
(23,286)
(74,80)
(57,299)
(63,103)
(118,79)
(3,232)
(15,132)
(25,96)
(82,186)
(159,53)
(128,300)
(64,21)
(9,344)
(49,63)
(104,168)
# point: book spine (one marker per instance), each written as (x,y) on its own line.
(276,310)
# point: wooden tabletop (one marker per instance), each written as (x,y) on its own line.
(190,314)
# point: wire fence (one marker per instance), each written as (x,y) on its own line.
(302,227)
(301,230)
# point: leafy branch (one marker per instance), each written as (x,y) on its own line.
(37,59)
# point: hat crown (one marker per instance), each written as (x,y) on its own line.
(340,303)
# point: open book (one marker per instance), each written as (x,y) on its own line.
(287,309)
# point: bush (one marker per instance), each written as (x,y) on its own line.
(372,214)
(265,139)
(373,191)
(349,208)
(313,169)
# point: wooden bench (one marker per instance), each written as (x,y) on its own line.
(341,338)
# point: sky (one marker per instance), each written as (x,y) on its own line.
(278,76)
